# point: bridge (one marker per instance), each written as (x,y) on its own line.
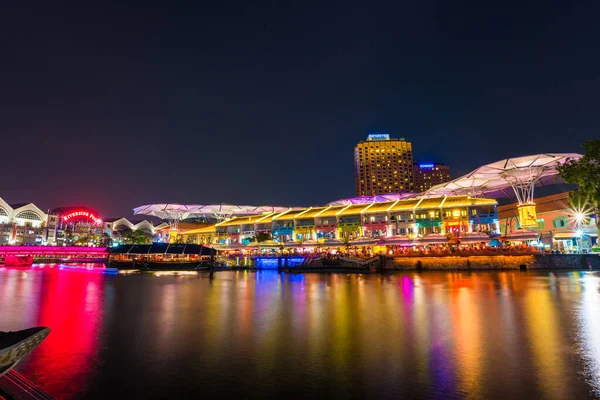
(40,253)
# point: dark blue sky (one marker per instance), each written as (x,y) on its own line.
(114,106)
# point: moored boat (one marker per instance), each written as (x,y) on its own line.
(18,261)
(83,260)
(15,345)
(121,264)
(161,257)
(167,265)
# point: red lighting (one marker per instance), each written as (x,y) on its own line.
(53,251)
(82,214)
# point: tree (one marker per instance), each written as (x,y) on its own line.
(69,236)
(585,172)
(138,236)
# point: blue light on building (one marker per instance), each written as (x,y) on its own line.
(378,136)
(273,262)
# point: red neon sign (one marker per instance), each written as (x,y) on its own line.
(85,214)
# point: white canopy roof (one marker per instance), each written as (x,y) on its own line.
(219,211)
(496,179)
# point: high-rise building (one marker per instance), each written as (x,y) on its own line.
(383,165)
(430,174)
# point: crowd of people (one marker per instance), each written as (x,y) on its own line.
(454,249)
(369,251)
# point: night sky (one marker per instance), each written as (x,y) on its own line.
(115,106)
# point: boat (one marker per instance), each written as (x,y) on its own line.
(161,256)
(16,345)
(122,264)
(83,260)
(169,265)
(18,261)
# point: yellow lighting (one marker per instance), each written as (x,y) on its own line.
(527,215)
(174,273)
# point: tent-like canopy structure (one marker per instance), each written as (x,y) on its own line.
(494,180)
(177,212)
(381,198)
(521,174)
(518,175)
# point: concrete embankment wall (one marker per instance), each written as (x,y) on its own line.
(531,262)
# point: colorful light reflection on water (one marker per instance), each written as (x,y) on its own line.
(429,335)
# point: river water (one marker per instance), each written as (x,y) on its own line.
(488,335)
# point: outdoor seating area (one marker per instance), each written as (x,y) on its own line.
(438,245)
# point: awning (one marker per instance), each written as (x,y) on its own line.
(565,235)
(397,239)
(362,241)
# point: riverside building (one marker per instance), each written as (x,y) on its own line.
(561,224)
(463,209)
(383,165)
(427,175)
(345,220)
(27,224)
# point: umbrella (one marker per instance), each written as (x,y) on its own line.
(495,243)
(333,243)
(474,237)
(521,235)
(434,238)
(362,240)
(232,246)
(266,244)
(310,243)
(397,239)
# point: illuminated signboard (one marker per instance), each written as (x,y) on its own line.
(379,136)
(424,166)
(82,214)
(527,216)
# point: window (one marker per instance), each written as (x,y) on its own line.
(30,215)
(540,223)
(559,222)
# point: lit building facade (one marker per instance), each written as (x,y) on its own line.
(383,165)
(23,224)
(78,225)
(414,217)
(425,176)
(27,224)
(561,225)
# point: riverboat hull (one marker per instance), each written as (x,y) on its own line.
(170,265)
(15,345)
(18,261)
(122,264)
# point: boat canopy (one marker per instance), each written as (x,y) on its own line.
(163,248)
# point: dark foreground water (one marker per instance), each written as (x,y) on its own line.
(500,335)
